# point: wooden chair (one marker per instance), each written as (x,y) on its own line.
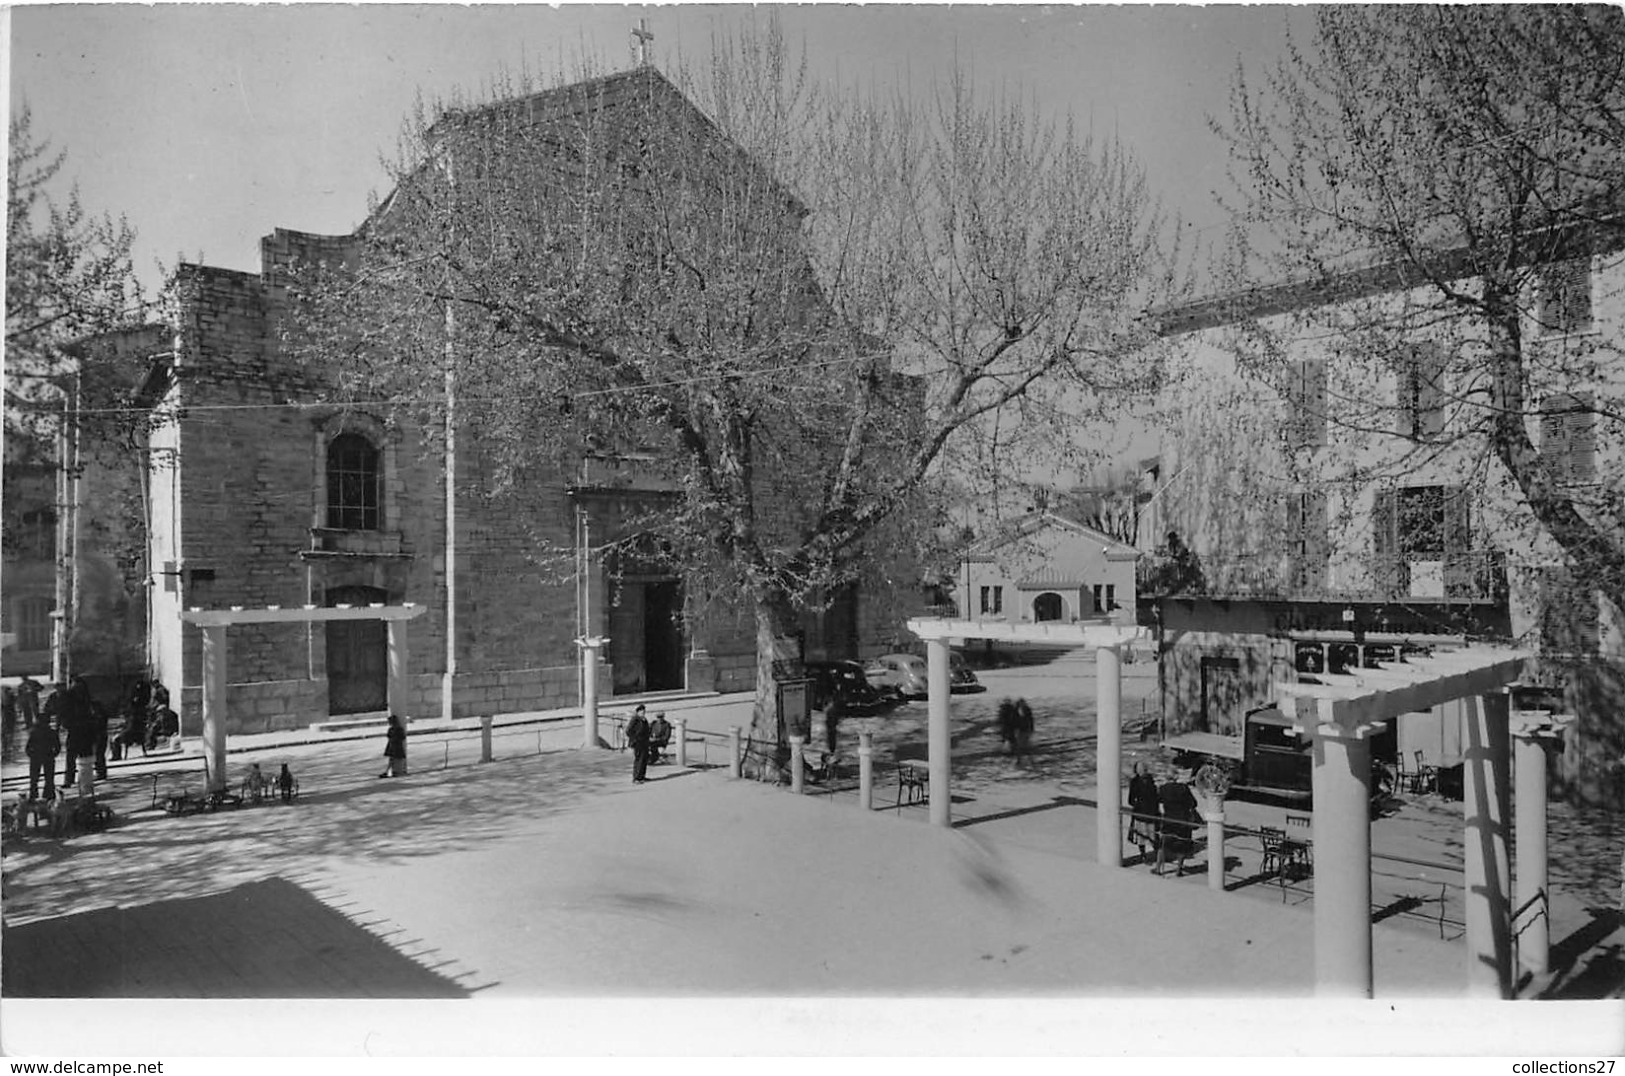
(1298,849)
(1271,839)
(910,778)
(1427,777)
(1406,777)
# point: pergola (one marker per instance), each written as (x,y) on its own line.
(1107,641)
(214,623)
(1340,715)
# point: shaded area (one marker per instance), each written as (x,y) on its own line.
(343,813)
(264,939)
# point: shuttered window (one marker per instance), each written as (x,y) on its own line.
(1568,438)
(1307,543)
(1306,403)
(1564,298)
(1569,623)
(1419,408)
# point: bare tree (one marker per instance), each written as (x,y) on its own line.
(797,304)
(1439,184)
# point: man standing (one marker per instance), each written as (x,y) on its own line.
(73,713)
(637,734)
(43,746)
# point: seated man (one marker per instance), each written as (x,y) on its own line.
(659,736)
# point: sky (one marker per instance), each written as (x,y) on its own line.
(209,125)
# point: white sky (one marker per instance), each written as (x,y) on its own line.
(208,125)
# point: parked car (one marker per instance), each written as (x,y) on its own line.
(908,674)
(861,695)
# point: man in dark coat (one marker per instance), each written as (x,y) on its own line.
(44,744)
(76,715)
(1179,818)
(637,735)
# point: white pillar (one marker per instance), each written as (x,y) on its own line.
(1341,782)
(939,745)
(398,656)
(1484,846)
(680,731)
(589,688)
(214,703)
(1109,756)
(733,750)
(1531,730)
(1212,808)
(797,778)
(866,772)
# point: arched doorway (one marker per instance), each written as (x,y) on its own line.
(1047,606)
(357,656)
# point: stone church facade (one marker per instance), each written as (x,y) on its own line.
(263,494)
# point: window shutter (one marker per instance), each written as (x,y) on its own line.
(1554,439)
(1314,402)
(1385,540)
(1581,435)
(1316,550)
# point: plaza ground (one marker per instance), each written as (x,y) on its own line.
(546,878)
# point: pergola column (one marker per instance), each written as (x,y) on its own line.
(1108,756)
(1341,782)
(1533,731)
(398,656)
(1484,805)
(939,744)
(214,704)
(590,645)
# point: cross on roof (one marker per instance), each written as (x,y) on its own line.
(640,47)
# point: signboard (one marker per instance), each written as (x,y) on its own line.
(794,713)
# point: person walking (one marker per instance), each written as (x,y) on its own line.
(1179,818)
(833,713)
(637,734)
(395,749)
(44,744)
(1024,731)
(1145,811)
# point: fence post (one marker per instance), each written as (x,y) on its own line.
(485,738)
(733,751)
(795,765)
(680,727)
(866,772)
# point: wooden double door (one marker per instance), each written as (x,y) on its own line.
(357,656)
(646,641)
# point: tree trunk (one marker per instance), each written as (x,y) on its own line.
(778,657)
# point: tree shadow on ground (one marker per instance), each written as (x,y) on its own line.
(1603,973)
(149,856)
(263,939)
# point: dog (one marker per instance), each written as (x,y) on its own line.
(15,816)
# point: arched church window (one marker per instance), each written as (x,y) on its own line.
(354,483)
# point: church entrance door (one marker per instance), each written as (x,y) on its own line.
(357,656)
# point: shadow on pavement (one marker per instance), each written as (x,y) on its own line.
(269,938)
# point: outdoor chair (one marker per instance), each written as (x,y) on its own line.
(1271,839)
(1407,777)
(910,781)
(1427,777)
(1295,850)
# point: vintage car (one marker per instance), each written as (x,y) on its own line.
(908,674)
(825,677)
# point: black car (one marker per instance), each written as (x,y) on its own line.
(861,696)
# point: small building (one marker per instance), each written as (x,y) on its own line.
(1047,568)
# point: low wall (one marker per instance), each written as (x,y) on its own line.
(272,705)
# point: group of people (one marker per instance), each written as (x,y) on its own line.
(1016,728)
(1163,818)
(71,722)
(647,739)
